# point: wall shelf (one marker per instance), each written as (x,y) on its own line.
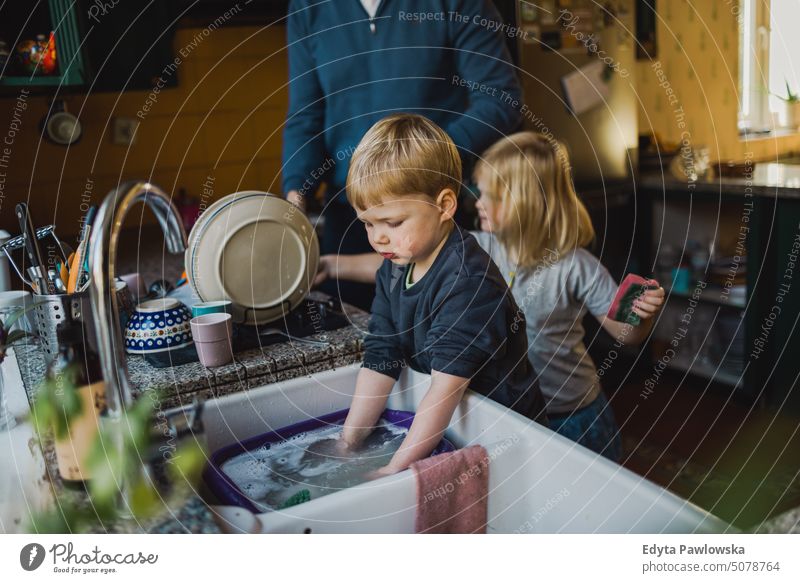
(707,371)
(711,295)
(63,20)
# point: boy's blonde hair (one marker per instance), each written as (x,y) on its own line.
(530,175)
(402,154)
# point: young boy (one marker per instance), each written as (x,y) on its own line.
(441,305)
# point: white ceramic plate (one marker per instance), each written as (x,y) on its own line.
(256,250)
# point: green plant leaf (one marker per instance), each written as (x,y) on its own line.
(43,414)
(17,335)
(115,455)
(56,404)
(790,97)
(54,522)
(138,425)
(106,467)
(188,463)
(13,318)
(144,500)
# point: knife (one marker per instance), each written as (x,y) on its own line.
(79,273)
(83,268)
(45,286)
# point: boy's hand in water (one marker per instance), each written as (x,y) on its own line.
(331,448)
(386,470)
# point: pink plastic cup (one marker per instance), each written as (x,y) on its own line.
(212,334)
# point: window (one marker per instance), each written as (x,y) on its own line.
(769,59)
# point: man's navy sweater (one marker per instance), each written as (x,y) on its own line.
(443,59)
(459,319)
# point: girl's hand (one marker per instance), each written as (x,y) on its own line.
(649,304)
(324,270)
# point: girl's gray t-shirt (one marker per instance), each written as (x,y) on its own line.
(554,297)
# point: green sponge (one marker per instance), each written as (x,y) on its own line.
(295,499)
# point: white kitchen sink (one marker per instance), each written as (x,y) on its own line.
(24,487)
(539,481)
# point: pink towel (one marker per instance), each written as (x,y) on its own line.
(452,492)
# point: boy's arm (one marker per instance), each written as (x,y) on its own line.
(383,362)
(369,401)
(430,421)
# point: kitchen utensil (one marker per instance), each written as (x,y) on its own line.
(158,325)
(74,270)
(255,249)
(227,490)
(52,274)
(63,272)
(79,271)
(159,288)
(32,249)
(61,127)
(202,308)
(213,338)
(18,242)
(5,274)
(308,341)
(51,310)
(135,284)
(125,302)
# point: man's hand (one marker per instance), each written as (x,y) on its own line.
(297,199)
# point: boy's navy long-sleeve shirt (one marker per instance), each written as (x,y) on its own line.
(345,75)
(459,319)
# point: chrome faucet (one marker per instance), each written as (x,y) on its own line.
(103,246)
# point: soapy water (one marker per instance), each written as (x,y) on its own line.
(310,461)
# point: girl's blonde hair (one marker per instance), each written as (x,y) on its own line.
(529,175)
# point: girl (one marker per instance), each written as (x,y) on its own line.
(534,227)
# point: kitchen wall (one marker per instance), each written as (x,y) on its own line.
(219,131)
(698,50)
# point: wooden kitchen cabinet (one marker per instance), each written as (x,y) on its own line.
(775,307)
(749,343)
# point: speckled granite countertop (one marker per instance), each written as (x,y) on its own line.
(179,384)
(182,383)
(186,514)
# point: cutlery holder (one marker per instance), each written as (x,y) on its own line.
(52,310)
